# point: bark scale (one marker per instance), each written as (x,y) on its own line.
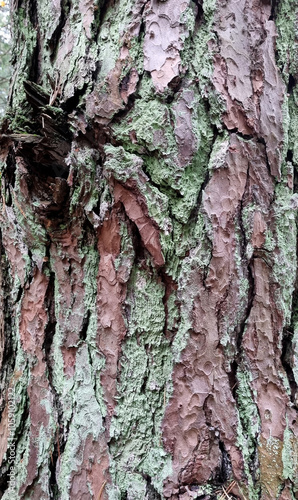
(148,329)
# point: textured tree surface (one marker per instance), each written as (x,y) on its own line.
(149,301)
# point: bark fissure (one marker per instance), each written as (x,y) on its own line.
(50,328)
(7,352)
(53,42)
(287,361)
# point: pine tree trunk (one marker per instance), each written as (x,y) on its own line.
(149,301)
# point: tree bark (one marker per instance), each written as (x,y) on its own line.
(149,298)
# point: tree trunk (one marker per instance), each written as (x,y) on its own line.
(149,301)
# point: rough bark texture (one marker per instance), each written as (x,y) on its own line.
(149,300)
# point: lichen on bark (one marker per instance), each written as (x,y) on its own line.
(148,322)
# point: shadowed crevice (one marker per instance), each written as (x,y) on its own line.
(224,472)
(7,347)
(274,8)
(291,84)
(54,40)
(83,333)
(287,359)
(151,493)
(50,331)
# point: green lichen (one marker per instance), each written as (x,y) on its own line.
(197,262)
(248,428)
(286,42)
(290,456)
(232,319)
(35,233)
(126,256)
(115,25)
(77,63)
(63,385)
(197,56)
(150,123)
(293,125)
(43,441)
(22,51)
(173,311)
(123,166)
(136,52)
(22,459)
(270,242)
(21,436)
(20,388)
(84,166)
(157,144)
(295,352)
(30,233)
(97,362)
(86,421)
(285,259)
(146,366)
(194,52)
